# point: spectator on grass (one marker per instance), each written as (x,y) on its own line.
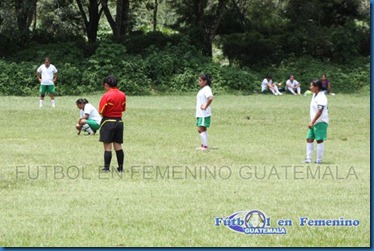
(267,84)
(326,85)
(292,84)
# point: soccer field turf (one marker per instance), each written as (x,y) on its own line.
(52,193)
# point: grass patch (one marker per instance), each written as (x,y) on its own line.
(53,194)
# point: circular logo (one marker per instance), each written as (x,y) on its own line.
(255,218)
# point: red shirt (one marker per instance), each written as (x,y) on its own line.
(112,103)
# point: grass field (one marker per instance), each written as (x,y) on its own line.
(52,193)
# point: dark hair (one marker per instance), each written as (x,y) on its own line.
(290,76)
(207,78)
(82,101)
(111,81)
(317,83)
(47,59)
(268,76)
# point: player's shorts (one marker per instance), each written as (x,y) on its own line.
(93,124)
(318,131)
(203,121)
(111,130)
(47,89)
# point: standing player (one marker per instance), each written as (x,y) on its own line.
(292,84)
(112,104)
(89,119)
(47,75)
(319,120)
(203,111)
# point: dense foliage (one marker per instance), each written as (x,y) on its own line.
(160,46)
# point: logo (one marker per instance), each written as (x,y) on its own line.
(249,222)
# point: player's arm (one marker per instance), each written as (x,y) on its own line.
(55,76)
(39,76)
(329,87)
(207,104)
(316,117)
(102,105)
(124,104)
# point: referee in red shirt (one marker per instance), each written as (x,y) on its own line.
(111,106)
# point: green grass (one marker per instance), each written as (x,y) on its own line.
(139,209)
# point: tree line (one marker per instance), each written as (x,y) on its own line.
(248,31)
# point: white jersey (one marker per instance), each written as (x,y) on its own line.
(92,113)
(319,101)
(47,74)
(292,84)
(202,98)
(264,84)
(81,113)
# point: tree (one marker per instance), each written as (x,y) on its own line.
(91,21)
(199,19)
(25,11)
(119,24)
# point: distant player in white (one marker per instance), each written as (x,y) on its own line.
(47,75)
(203,111)
(319,119)
(267,83)
(90,118)
(292,84)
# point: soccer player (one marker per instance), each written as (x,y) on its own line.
(89,118)
(112,104)
(203,111)
(292,84)
(319,120)
(47,75)
(267,83)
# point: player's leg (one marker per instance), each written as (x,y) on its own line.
(106,136)
(290,88)
(52,90)
(321,135)
(203,123)
(42,91)
(309,146)
(276,89)
(272,89)
(117,144)
(298,89)
(89,126)
(107,156)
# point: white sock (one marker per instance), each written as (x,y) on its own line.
(41,103)
(309,150)
(272,90)
(53,102)
(298,90)
(277,90)
(87,128)
(204,139)
(206,135)
(291,90)
(320,150)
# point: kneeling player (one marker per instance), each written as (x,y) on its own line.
(89,118)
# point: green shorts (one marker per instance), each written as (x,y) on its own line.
(318,131)
(93,124)
(47,89)
(203,121)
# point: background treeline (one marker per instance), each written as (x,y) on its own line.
(160,46)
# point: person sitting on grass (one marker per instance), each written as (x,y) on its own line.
(292,84)
(326,85)
(89,117)
(267,84)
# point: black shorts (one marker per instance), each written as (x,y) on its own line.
(111,130)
